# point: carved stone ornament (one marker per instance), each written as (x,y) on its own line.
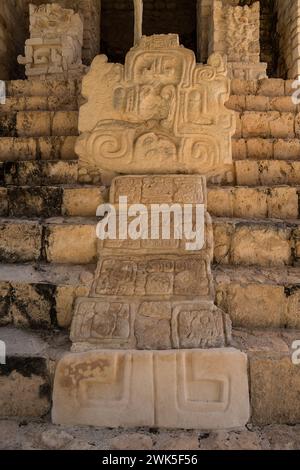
(54,49)
(160,113)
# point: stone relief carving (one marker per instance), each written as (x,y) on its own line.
(152,294)
(54,49)
(235,32)
(160,113)
(200,389)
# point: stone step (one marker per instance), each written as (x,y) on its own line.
(272,124)
(42,434)
(259,298)
(266,87)
(42,295)
(267,172)
(37,148)
(51,201)
(274,378)
(32,356)
(282,104)
(40,103)
(26,378)
(46,88)
(39,172)
(276,202)
(241,173)
(62,147)
(262,243)
(267,149)
(39,123)
(73,240)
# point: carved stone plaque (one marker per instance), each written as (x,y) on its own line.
(197,389)
(159,113)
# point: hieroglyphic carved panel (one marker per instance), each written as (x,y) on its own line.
(54,49)
(105,322)
(165,189)
(200,389)
(154,275)
(161,246)
(127,323)
(160,113)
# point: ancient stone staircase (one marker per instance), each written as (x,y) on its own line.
(48,240)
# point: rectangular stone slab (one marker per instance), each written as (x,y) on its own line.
(179,389)
(160,189)
(122,323)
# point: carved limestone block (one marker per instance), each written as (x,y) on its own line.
(153,293)
(160,113)
(152,275)
(199,389)
(235,32)
(159,189)
(127,323)
(54,49)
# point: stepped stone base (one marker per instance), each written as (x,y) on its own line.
(197,389)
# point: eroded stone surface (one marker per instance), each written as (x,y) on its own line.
(55,45)
(193,389)
(123,323)
(235,31)
(160,113)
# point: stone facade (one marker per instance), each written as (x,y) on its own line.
(12,34)
(235,32)
(55,45)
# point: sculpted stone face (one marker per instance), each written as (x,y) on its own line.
(160,113)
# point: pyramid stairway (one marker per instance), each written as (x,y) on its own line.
(48,240)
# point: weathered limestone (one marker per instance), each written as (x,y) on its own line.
(235,32)
(132,304)
(156,117)
(288,12)
(25,378)
(131,293)
(55,45)
(183,389)
(12,32)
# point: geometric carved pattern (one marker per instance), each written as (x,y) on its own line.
(152,294)
(159,113)
(141,324)
(200,389)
